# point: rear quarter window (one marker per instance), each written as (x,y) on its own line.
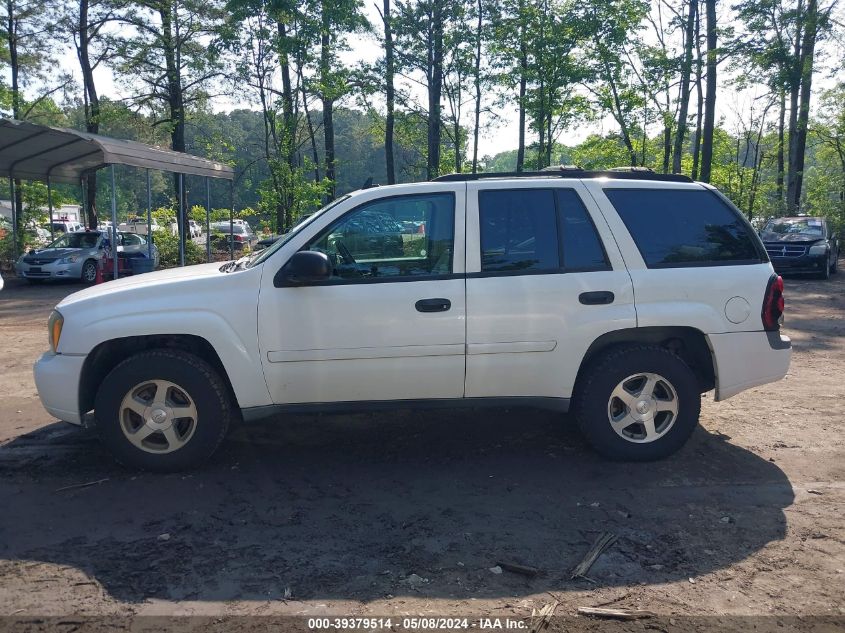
(674,228)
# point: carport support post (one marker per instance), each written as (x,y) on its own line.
(207,219)
(180,219)
(50,205)
(149,218)
(232,219)
(113,224)
(84,197)
(14,219)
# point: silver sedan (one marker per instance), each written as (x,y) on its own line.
(76,255)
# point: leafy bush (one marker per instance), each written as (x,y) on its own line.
(168,250)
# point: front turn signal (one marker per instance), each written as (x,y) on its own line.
(54,329)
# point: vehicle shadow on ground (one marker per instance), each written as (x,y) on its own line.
(349,507)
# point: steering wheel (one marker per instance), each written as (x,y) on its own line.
(347,256)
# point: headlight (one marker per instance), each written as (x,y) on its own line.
(54,329)
(69,259)
(818,249)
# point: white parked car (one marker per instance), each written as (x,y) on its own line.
(621,296)
(66,226)
(138,225)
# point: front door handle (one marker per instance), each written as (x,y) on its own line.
(433,305)
(597,298)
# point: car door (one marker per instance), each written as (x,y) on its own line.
(388,325)
(544,280)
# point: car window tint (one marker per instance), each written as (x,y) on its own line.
(684,227)
(376,240)
(518,230)
(582,249)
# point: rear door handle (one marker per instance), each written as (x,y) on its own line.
(597,298)
(433,305)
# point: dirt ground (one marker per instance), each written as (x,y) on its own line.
(404,513)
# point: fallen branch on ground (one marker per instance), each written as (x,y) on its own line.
(605,540)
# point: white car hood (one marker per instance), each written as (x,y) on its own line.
(147,280)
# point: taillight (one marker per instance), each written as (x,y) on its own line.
(773,304)
(239,238)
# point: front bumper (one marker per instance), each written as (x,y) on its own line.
(57,380)
(803,264)
(748,359)
(53,270)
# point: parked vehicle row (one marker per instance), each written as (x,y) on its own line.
(76,255)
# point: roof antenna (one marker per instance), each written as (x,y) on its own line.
(368,183)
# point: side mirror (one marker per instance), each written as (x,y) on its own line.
(304,268)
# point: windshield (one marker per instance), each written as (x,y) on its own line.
(807,227)
(75,240)
(268,252)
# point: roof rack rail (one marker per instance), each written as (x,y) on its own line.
(617,173)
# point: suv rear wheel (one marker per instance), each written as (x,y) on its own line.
(638,403)
(163,410)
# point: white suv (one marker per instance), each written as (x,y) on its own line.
(620,295)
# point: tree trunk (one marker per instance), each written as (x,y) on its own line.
(523,85)
(457,132)
(477,70)
(686,71)
(390,95)
(327,100)
(696,148)
(288,119)
(172,57)
(780,149)
(619,116)
(16,97)
(435,89)
(710,101)
(807,53)
(520,152)
(794,74)
(312,137)
(91,101)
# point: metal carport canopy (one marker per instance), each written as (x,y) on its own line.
(38,152)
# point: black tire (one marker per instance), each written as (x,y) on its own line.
(825,273)
(205,389)
(89,271)
(593,401)
(834,267)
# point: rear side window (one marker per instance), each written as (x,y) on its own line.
(684,227)
(582,250)
(518,230)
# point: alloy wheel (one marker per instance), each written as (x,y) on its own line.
(643,407)
(158,416)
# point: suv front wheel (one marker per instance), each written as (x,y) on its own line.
(638,403)
(163,410)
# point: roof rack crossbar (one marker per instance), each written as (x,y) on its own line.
(567,173)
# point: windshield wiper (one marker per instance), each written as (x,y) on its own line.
(232,266)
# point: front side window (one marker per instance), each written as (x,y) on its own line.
(684,227)
(374,241)
(518,230)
